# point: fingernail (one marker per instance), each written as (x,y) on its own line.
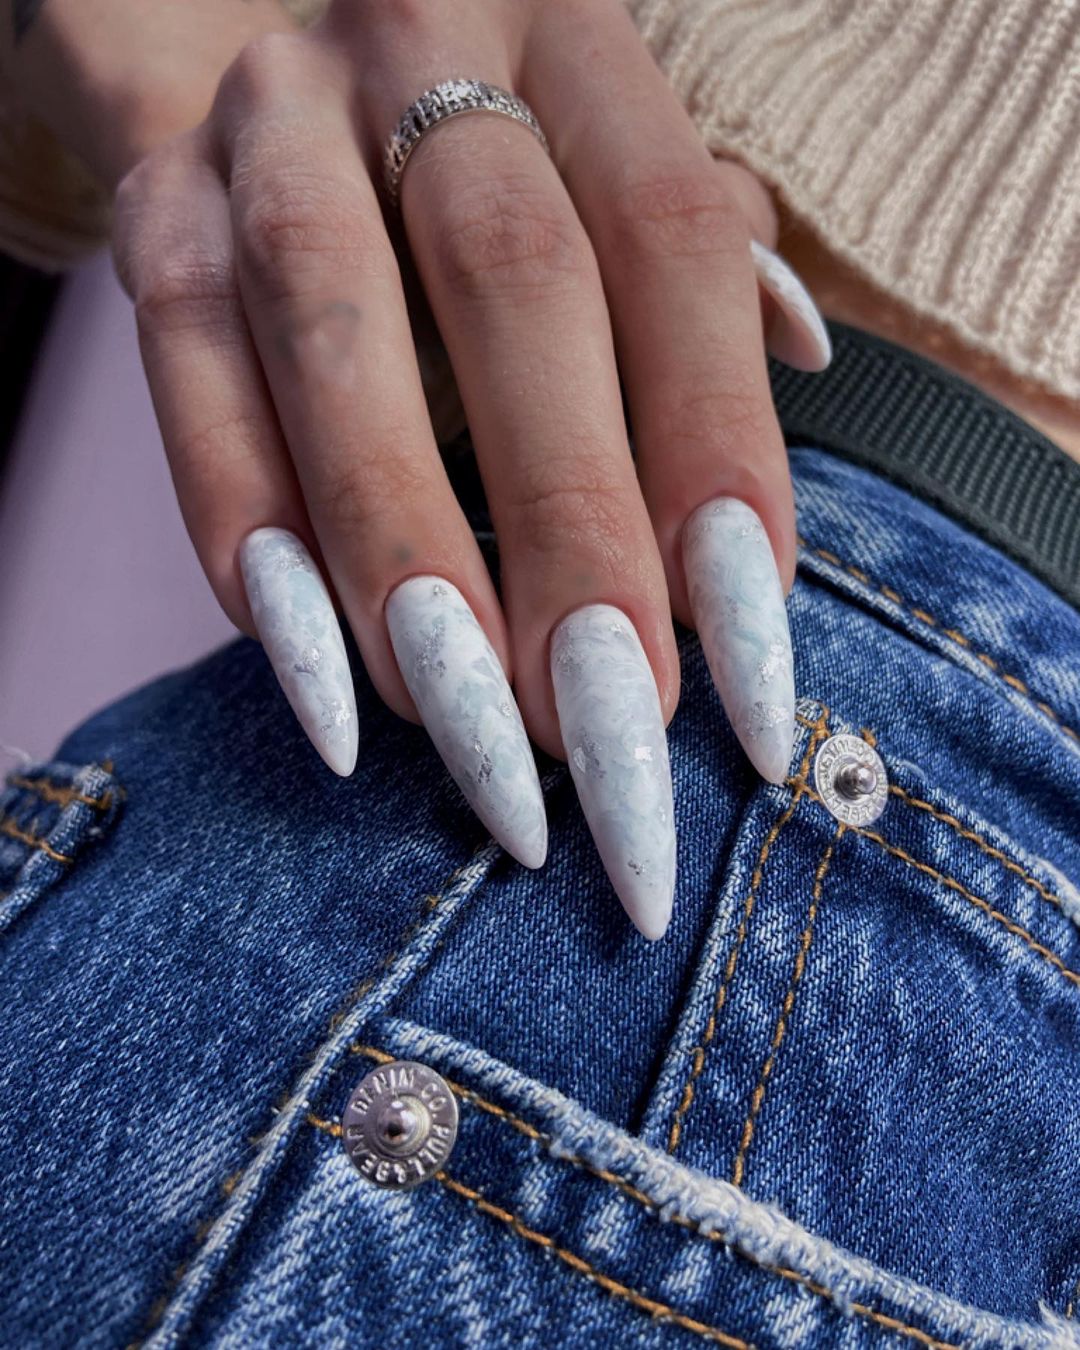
(798,335)
(737,601)
(613,732)
(295,619)
(465,702)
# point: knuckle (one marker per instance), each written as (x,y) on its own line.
(368,485)
(510,239)
(688,214)
(297,223)
(185,291)
(718,418)
(562,509)
(215,449)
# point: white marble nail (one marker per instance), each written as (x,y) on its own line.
(737,602)
(798,335)
(461,692)
(613,732)
(295,619)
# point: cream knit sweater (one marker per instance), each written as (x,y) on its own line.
(933,145)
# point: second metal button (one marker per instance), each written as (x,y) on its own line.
(400,1124)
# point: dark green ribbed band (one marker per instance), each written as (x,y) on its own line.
(936,435)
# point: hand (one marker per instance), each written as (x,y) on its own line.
(277,342)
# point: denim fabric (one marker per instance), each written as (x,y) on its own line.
(836,1105)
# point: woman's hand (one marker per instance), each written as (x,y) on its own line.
(264,263)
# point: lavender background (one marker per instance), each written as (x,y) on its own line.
(99,586)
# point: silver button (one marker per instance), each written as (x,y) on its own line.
(851,779)
(400,1124)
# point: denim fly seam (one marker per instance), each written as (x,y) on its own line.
(48,815)
(744,889)
(567,1143)
(243,1192)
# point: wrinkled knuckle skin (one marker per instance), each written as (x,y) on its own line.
(369,488)
(683,215)
(555,513)
(196,290)
(725,420)
(150,181)
(509,239)
(298,223)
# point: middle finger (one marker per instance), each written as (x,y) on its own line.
(516,292)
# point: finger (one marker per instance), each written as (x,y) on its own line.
(232,476)
(673,246)
(324,301)
(515,290)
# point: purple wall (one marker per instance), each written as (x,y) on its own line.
(99,586)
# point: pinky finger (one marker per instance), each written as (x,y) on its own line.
(233,477)
(795,332)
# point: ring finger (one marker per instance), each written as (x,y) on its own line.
(672,236)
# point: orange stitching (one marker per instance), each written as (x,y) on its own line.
(805,940)
(161,1304)
(333,1128)
(959,638)
(660,1312)
(9,827)
(951,882)
(697,1059)
(984,844)
(62,796)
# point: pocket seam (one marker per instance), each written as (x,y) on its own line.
(951,882)
(954,636)
(882,1320)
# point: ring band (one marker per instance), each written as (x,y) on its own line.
(449,99)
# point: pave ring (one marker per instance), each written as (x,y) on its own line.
(448,99)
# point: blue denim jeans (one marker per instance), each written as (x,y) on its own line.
(837,1105)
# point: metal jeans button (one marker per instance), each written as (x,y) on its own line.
(851,780)
(400,1124)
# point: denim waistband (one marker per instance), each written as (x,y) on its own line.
(934,434)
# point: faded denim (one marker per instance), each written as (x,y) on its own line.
(837,1105)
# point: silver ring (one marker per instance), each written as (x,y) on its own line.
(449,99)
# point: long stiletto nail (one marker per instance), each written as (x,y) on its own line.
(737,602)
(469,711)
(295,619)
(613,732)
(798,335)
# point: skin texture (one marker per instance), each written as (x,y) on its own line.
(285,308)
(265,231)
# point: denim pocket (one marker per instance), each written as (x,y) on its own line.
(882,1041)
(548,1226)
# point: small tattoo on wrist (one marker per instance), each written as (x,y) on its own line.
(23,14)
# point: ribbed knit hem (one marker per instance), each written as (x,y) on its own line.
(944,440)
(935,148)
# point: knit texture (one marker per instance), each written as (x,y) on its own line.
(934,147)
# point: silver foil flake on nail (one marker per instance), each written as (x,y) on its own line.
(763,716)
(613,731)
(798,336)
(738,606)
(295,620)
(463,697)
